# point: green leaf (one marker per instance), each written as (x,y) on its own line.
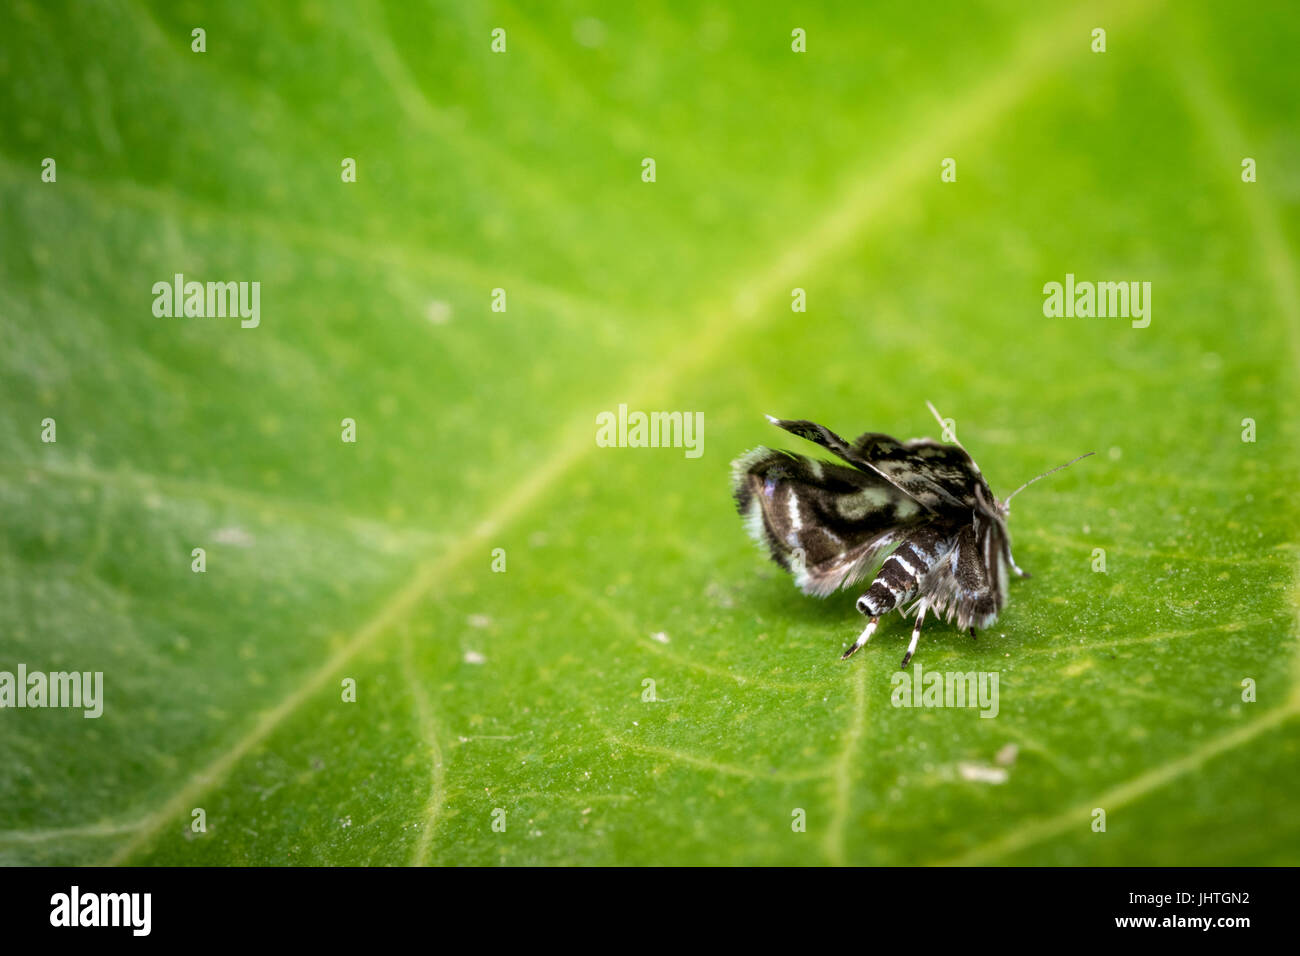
(520,697)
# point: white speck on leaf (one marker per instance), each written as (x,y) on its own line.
(589,32)
(233,536)
(982,774)
(438,312)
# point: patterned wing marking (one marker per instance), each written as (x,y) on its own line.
(944,477)
(826,524)
(821,435)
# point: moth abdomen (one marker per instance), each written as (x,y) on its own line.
(879,599)
(899,578)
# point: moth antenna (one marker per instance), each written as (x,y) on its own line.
(1007,501)
(943,425)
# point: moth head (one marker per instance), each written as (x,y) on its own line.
(991,507)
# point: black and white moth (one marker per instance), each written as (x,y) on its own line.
(923,503)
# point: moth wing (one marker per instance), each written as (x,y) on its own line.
(825,523)
(942,477)
(969,583)
(821,435)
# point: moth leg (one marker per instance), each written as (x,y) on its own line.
(862,638)
(916,634)
(1006,550)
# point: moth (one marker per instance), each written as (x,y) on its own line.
(922,505)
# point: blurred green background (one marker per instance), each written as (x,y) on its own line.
(522,691)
